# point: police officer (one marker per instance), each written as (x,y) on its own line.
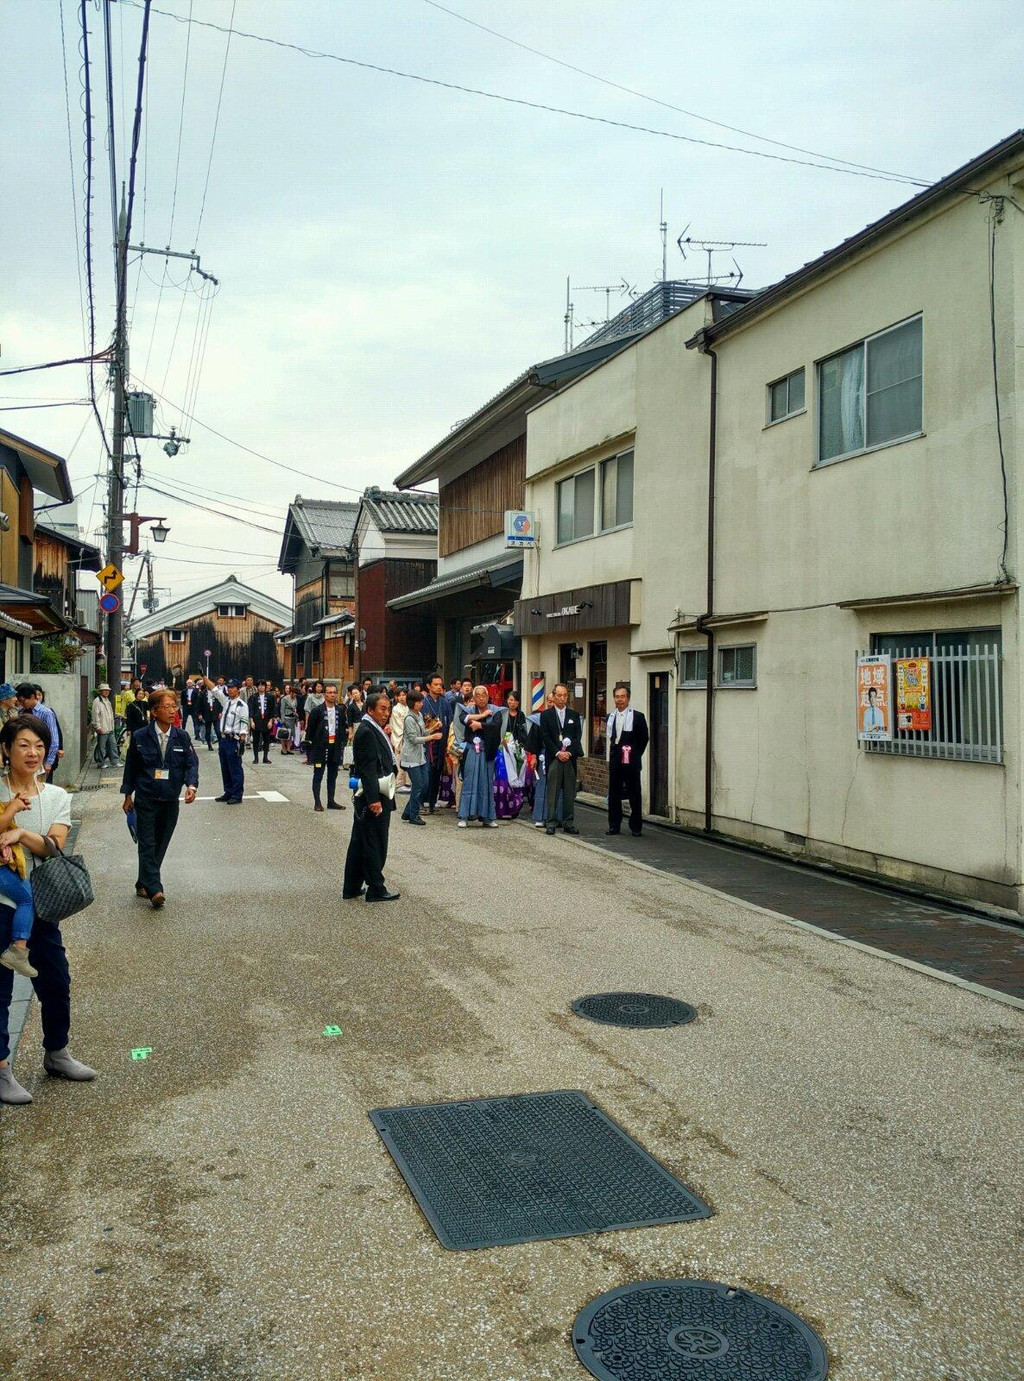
(160,761)
(233,731)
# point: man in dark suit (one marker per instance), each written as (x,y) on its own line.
(262,707)
(327,734)
(160,761)
(373,759)
(192,707)
(628,737)
(561,731)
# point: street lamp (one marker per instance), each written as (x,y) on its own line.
(159,531)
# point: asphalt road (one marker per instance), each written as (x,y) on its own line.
(223,1210)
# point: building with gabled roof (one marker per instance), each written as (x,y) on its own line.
(396,551)
(317,552)
(236,624)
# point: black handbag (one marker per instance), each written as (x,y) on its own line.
(61,886)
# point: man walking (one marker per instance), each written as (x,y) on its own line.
(374,761)
(628,737)
(262,707)
(234,730)
(561,731)
(102,719)
(327,733)
(159,762)
(436,705)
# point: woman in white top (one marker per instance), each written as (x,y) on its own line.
(398,714)
(24,744)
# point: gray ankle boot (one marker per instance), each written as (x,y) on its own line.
(10,1090)
(64,1066)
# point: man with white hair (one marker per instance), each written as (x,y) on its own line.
(103,727)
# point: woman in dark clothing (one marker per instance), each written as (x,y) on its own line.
(136,715)
(510,762)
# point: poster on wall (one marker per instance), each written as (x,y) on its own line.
(913,693)
(874,698)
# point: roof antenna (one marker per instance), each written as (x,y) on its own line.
(663,227)
(734,276)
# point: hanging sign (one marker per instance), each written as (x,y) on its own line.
(874,698)
(913,693)
(520,529)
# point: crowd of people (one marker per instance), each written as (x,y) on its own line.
(440,748)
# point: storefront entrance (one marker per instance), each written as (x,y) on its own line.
(657,702)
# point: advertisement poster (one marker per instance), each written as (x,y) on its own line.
(913,693)
(874,698)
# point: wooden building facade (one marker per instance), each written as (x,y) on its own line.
(396,551)
(317,552)
(237,625)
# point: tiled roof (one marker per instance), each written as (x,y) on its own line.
(393,511)
(324,523)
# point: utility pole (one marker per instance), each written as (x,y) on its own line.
(115,488)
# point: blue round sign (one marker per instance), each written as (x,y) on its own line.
(109,603)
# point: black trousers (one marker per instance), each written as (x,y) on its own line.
(260,739)
(562,778)
(196,717)
(154,824)
(435,772)
(624,781)
(53,986)
(331,767)
(367,851)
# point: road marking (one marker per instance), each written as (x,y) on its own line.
(272,796)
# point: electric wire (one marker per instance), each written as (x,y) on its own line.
(99,358)
(34,407)
(181,121)
(71,165)
(535,105)
(668,105)
(87,86)
(108,66)
(992,222)
(192,503)
(216,123)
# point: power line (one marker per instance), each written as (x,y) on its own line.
(87,85)
(34,407)
(59,364)
(216,122)
(191,503)
(181,121)
(71,165)
(644,96)
(535,105)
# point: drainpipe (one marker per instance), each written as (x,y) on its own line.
(709,694)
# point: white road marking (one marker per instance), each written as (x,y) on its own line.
(272,796)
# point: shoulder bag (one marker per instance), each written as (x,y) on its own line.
(61,885)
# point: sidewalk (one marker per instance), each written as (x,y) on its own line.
(988,953)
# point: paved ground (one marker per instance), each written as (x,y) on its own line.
(224,1210)
(944,937)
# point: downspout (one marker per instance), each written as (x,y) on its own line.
(709,693)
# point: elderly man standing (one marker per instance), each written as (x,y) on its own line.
(233,731)
(103,727)
(374,763)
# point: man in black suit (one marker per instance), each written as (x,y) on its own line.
(192,708)
(262,706)
(561,731)
(160,761)
(373,759)
(327,734)
(436,705)
(628,738)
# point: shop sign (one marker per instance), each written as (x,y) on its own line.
(520,529)
(874,698)
(913,693)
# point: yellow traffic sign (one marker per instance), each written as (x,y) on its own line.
(110,578)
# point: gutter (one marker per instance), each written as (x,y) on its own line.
(703,623)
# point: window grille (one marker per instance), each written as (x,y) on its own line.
(966,693)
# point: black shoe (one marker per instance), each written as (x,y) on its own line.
(141,891)
(318,806)
(225,797)
(549,829)
(569,829)
(383,896)
(266,760)
(637,834)
(335,805)
(611,831)
(352,896)
(417,821)
(233,801)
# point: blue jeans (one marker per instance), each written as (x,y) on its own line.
(53,986)
(231,769)
(418,778)
(18,892)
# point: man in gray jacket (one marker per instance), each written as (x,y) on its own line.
(103,727)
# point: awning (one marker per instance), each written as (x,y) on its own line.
(345,616)
(15,626)
(500,572)
(36,610)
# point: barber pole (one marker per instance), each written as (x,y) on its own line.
(536,692)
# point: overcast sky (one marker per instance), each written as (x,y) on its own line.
(391,253)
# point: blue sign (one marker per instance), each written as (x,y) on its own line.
(109,603)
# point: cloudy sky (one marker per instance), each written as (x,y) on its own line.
(391,253)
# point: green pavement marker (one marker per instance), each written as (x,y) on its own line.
(142,1052)
(332,1030)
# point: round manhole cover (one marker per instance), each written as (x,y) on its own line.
(695,1330)
(634,1009)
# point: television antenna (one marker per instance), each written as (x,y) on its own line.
(734,276)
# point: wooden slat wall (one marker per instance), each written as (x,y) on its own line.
(473,506)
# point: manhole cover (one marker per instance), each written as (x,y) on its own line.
(491,1171)
(695,1330)
(634,1009)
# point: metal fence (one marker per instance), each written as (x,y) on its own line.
(967,707)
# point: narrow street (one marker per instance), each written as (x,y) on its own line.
(223,1209)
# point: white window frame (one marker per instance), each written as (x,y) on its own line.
(573,479)
(232,611)
(176,635)
(601,469)
(863,343)
(720,684)
(690,683)
(769,420)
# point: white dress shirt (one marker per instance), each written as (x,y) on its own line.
(234,719)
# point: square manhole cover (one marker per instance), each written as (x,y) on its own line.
(492,1171)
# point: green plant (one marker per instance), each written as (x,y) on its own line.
(56,653)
